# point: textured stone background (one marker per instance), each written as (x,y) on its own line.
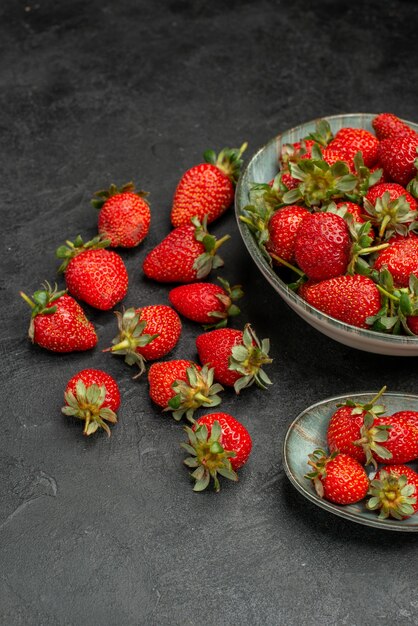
(109,532)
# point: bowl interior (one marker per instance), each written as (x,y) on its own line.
(262,167)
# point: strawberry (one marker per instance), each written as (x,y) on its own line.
(207,303)
(182,387)
(322,246)
(349,141)
(333,155)
(394,492)
(124,215)
(236,356)
(345,425)
(295,151)
(400,445)
(162,326)
(353,209)
(93,396)
(92,273)
(397,156)
(388,125)
(411,417)
(186,255)
(400,258)
(338,477)
(350,299)
(282,231)
(207,189)
(391,207)
(58,322)
(395,191)
(218,444)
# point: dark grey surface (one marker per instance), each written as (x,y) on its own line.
(105,531)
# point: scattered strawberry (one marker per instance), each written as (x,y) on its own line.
(350,299)
(162,326)
(397,156)
(400,258)
(207,189)
(236,356)
(58,322)
(124,216)
(219,445)
(349,141)
(186,255)
(92,273)
(338,478)
(93,396)
(182,387)
(207,303)
(322,246)
(394,492)
(389,125)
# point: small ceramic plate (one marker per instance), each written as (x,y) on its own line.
(308,431)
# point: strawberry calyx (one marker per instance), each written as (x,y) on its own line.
(227,300)
(392,495)
(209,259)
(412,186)
(73,248)
(229,161)
(257,218)
(248,359)
(104,194)
(208,457)
(370,407)
(319,182)
(397,304)
(323,134)
(371,437)
(391,216)
(361,244)
(319,460)
(87,404)
(199,390)
(365,179)
(131,336)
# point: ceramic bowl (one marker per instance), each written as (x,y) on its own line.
(308,431)
(261,169)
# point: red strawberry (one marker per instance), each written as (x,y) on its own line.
(93,274)
(411,417)
(282,230)
(288,181)
(388,125)
(353,209)
(400,258)
(207,303)
(397,156)
(58,322)
(338,478)
(345,425)
(401,444)
(237,356)
(93,396)
(333,155)
(182,387)
(350,299)
(162,326)
(395,191)
(186,255)
(391,207)
(295,151)
(322,246)
(349,141)
(207,189)
(394,492)
(124,216)
(219,444)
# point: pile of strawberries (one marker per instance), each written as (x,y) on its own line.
(360,435)
(218,444)
(340,222)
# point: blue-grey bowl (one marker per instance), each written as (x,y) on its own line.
(262,167)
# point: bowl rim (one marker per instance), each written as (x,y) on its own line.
(273,278)
(390,524)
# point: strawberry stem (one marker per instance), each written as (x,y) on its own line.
(27,300)
(221,241)
(286,264)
